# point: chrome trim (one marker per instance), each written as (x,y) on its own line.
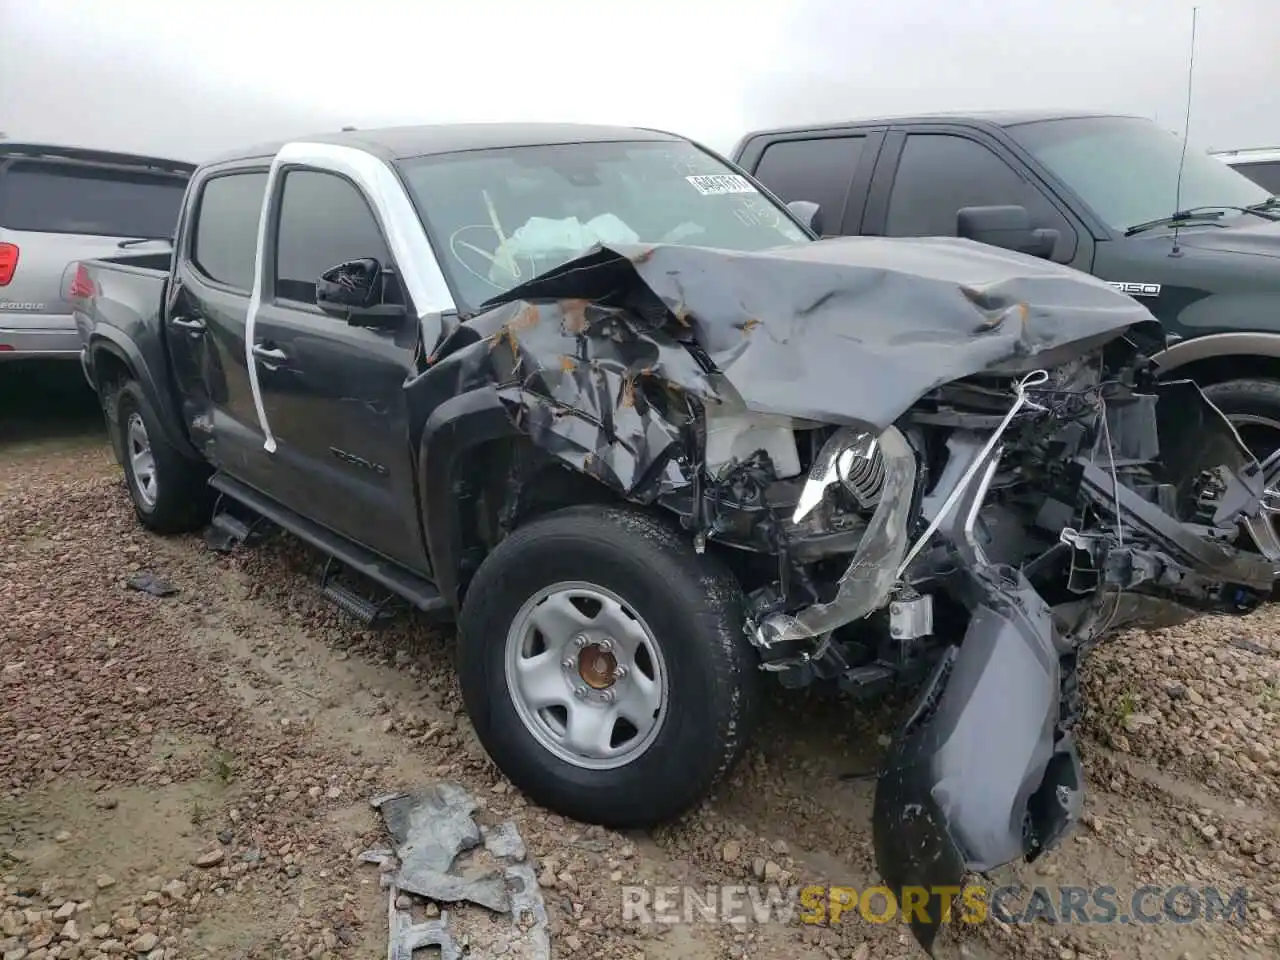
(866,584)
(418,266)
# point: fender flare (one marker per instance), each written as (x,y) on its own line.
(109,340)
(1216,345)
(454,427)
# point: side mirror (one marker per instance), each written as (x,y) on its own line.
(1005,226)
(353,292)
(808,213)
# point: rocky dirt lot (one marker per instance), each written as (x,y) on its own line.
(189,776)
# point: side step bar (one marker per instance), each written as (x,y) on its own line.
(418,591)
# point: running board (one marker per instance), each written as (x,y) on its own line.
(418,591)
(370,612)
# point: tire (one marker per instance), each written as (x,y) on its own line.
(1254,407)
(170,492)
(687,607)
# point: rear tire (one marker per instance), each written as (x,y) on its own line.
(170,492)
(561,727)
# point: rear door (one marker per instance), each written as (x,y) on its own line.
(831,168)
(334,394)
(205,316)
(928,172)
(55,212)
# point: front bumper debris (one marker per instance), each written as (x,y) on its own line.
(982,773)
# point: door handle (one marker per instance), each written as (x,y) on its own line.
(190,324)
(269,354)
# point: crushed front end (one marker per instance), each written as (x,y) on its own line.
(931,464)
(1019,520)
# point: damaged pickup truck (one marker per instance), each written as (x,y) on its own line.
(606,399)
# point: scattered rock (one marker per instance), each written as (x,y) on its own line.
(144,943)
(210,858)
(731,851)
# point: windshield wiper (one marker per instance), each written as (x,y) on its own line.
(136,240)
(1269,207)
(1209,214)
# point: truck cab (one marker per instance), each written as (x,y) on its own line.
(1193,240)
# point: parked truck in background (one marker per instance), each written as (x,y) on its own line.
(1100,193)
(60,205)
(1260,164)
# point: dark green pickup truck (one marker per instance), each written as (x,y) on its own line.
(1099,193)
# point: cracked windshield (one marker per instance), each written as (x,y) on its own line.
(501,217)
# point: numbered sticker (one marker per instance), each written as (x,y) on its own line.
(712,184)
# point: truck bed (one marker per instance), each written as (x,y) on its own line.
(120,299)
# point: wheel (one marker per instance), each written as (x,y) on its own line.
(170,493)
(605,666)
(1253,407)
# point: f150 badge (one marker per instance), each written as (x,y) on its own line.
(1138,289)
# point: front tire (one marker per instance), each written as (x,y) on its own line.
(170,492)
(605,666)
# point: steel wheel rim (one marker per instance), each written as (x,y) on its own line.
(586,675)
(141,460)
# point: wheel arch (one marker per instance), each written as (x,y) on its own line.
(113,358)
(479,475)
(1220,357)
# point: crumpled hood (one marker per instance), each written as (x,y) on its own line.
(845,331)
(1259,238)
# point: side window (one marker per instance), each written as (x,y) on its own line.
(1265,173)
(940,174)
(819,170)
(324,221)
(225,242)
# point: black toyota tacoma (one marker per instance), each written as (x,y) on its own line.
(600,396)
(1101,193)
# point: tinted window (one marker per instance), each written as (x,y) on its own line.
(1126,169)
(939,175)
(50,198)
(324,221)
(819,170)
(499,217)
(225,242)
(1265,174)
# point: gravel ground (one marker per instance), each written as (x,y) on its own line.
(188,777)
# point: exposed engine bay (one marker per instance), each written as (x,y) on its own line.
(930,463)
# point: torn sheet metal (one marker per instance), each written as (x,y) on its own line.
(432,829)
(602,357)
(791,328)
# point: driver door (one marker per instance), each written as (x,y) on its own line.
(333,393)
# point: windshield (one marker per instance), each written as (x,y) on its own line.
(500,217)
(1126,169)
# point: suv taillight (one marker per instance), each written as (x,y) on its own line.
(8,262)
(81,285)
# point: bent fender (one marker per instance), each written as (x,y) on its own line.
(981,773)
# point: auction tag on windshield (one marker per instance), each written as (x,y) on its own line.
(715,183)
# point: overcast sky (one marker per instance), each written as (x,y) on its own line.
(189,77)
